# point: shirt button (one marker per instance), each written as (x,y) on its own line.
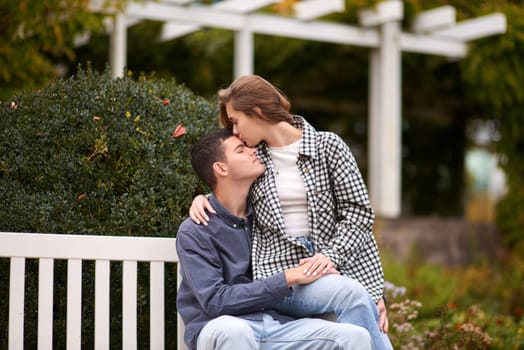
(235,225)
(306,171)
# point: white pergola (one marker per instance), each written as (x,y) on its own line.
(434,32)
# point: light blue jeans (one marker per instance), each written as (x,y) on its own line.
(233,333)
(341,295)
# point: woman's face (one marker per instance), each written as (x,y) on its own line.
(248,129)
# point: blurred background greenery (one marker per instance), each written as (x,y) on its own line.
(455,116)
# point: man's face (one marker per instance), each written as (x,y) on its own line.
(241,161)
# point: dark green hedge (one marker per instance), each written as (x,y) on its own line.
(92,155)
(95,155)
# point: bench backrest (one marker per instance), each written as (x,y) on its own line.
(102,249)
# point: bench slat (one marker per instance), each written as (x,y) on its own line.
(129,287)
(102,304)
(157,305)
(45,304)
(74,304)
(87,247)
(16,303)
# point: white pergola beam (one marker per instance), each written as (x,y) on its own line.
(387,11)
(311,9)
(435,19)
(431,45)
(242,6)
(176,29)
(288,27)
(476,28)
(172,30)
(177,2)
(259,23)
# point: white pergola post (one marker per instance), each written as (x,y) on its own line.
(118,46)
(385,138)
(244,52)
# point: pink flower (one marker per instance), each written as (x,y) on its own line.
(179,131)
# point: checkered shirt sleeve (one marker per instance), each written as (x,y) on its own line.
(340,215)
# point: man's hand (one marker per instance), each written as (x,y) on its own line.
(383,323)
(197,212)
(317,265)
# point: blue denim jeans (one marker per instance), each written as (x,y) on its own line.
(233,333)
(341,295)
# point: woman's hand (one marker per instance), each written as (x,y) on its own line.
(197,212)
(383,323)
(319,264)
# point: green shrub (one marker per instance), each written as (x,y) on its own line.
(92,155)
(95,155)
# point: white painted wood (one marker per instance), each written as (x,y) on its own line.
(102,320)
(16,302)
(475,28)
(383,12)
(129,290)
(374,140)
(433,45)
(157,305)
(434,19)
(389,171)
(242,6)
(74,304)
(259,23)
(177,2)
(103,249)
(293,28)
(314,30)
(118,46)
(87,247)
(172,30)
(244,52)
(180,323)
(311,9)
(45,304)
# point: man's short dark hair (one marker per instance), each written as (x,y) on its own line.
(206,151)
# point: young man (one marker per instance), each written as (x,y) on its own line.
(222,307)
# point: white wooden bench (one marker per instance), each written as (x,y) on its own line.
(101,249)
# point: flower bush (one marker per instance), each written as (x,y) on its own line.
(474,317)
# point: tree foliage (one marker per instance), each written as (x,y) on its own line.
(35,35)
(495,76)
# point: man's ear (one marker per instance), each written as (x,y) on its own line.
(220,168)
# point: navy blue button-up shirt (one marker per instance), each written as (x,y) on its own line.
(217,277)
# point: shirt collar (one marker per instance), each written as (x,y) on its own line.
(226,216)
(308,144)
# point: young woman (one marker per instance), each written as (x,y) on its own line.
(311,207)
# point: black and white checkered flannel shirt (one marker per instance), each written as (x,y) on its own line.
(340,214)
